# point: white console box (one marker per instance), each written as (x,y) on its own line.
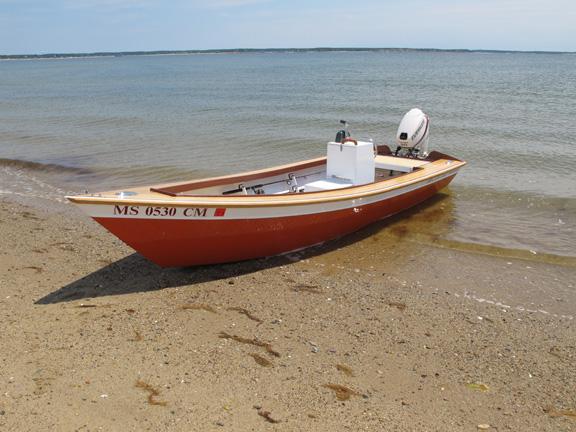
(349,161)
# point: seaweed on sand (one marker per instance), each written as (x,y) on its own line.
(36,268)
(255,342)
(137,337)
(262,361)
(245,312)
(267,415)
(198,306)
(342,392)
(553,412)
(347,370)
(400,306)
(152,393)
(313,289)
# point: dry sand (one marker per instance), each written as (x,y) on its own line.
(384,330)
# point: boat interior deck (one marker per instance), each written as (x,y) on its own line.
(305,177)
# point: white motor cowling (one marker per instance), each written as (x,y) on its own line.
(413,133)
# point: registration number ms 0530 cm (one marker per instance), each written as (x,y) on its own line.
(167,212)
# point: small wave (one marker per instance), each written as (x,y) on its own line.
(44,167)
(500,251)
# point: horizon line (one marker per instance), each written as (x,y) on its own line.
(263,50)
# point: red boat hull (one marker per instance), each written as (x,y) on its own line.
(177,243)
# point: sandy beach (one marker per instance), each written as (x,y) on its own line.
(388,329)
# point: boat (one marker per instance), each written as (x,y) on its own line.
(280,209)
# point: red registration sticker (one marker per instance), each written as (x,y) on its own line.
(219,212)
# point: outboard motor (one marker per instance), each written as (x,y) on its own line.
(413,133)
(341,135)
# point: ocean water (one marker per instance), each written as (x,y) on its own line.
(100,123)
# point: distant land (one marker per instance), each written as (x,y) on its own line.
(259,50)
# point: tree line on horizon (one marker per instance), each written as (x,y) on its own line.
(255,50)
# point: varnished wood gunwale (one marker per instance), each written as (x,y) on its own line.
(430,171)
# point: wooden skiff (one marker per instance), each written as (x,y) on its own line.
(262,213)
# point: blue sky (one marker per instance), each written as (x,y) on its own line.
(47,26)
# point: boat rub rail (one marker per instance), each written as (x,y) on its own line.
(429,172)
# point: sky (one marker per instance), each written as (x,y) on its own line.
(71,26)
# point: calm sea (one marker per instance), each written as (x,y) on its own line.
(110,122)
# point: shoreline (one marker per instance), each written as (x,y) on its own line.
(29,180)
(376,330)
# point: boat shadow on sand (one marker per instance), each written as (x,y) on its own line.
(135,273)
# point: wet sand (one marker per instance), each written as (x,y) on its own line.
(389,329)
